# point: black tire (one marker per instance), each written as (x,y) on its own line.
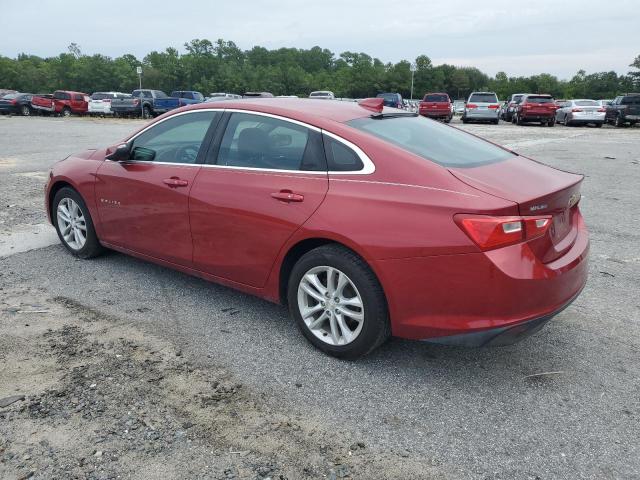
(92,247)
(552,122)
(598,125)
(518,120)
(496,121)
(375,327)
(618,122)
(66,112)
(464,120)
(25,111)
(146,112)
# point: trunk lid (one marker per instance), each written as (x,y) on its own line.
(538,190)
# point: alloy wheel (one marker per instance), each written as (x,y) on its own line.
(71,223)
(330,305)
(25,110)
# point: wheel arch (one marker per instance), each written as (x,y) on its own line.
(301,247)
(55,188)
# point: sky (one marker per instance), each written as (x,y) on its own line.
(515,36)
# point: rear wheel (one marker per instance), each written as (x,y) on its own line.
(598,125)
(146,112)
(73,223)
(66,112)
(25,110)
(618,121)
(496,121)
(338,302)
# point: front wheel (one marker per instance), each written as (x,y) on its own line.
(25,110)
(618,121)
(66,112)
(146,113)
(73,223)
(338,302)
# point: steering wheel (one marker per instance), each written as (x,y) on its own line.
(187,154)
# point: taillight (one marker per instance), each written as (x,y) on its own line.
(106,100)
(471,105)
(493,232)
(576,109)
(136,101)
(13,102)
(601,109)
(493,106)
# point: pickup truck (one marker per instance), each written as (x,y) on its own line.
(150,103)
(437,106)
(66,102)
(42,103)
(624,109)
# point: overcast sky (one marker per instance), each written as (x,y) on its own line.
(517,36)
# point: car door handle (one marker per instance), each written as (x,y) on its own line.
(287,196)
(175,182)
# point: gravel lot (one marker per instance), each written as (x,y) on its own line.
(410,410)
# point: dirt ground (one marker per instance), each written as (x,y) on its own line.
(97,399)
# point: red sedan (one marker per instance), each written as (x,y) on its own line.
(366,221)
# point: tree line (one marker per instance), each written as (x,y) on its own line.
(222,66)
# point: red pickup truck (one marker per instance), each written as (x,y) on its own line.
(62,102)
(436,105)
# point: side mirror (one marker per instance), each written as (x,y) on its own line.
(120,154)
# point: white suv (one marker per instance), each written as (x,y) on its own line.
(100,102)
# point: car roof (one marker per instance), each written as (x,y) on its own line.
(313,112)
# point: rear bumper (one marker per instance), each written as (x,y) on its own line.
(441,114)
(488,114)
(538,117)
(501,336)
(136,109)
(450,295)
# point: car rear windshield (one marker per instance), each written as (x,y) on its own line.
(483,98)
(393,97)
(436,98)
(10,96)
(101,96)
(444,145)
(536,99)
(587,103)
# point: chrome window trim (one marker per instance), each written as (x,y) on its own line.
(369,166)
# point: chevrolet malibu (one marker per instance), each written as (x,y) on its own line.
(366,221)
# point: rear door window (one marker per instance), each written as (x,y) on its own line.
(433,141)
(258,141)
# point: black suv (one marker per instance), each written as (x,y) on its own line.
(624,109)
(391,99)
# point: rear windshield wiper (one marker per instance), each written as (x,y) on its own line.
(381,116)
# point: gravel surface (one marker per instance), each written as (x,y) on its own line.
(563,404)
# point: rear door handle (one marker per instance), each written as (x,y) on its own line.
(175,182)
(287,196)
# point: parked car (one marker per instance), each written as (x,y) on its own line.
(624,109)
(16,103)
(66,102)
(145,103)
(187,97)
(322,95)
(512,103)
(481,107)
(604,103)
(390,99)
(437,106)
(458,107)
(42,103)
(258,95)
(100,102)
(366,223)
(580,111)
(213,97)
(535,108)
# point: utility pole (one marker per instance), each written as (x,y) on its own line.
(139,72)
(413,70)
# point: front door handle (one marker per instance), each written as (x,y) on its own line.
(175,182)
(287,196)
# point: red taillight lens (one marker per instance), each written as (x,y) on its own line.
(472,105)
(107,100)
(136,101)
(493,232)
(602,109)
(493,106)
(13,102)
(576,109)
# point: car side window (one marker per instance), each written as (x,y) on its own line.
(341,158)
(175,140)
(78,97)
(258,141)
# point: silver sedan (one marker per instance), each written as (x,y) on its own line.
(580,111)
